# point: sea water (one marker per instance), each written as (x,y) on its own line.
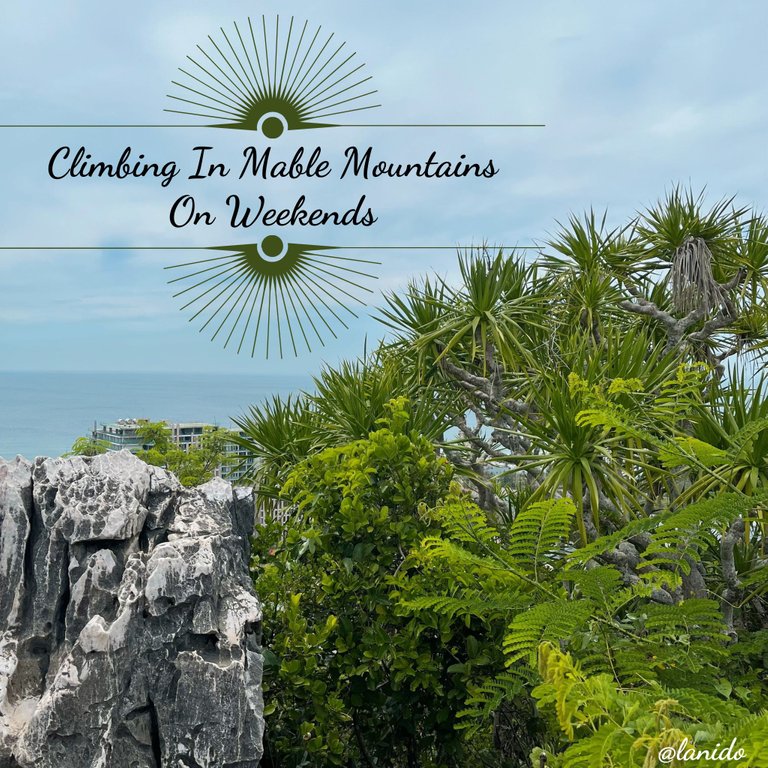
(42,413)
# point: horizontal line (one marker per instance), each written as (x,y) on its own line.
(101,125)
(103,248)
(334,125)
(427,247)
(233,248)
(441,125)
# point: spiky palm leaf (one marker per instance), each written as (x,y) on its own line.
(492,309)
(351,398)
(276,435)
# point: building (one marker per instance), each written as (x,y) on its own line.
(119,435)
(187,434)
(238,463)
(123,435)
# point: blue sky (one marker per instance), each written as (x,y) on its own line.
(635,95)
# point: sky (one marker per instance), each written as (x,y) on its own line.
(635,97)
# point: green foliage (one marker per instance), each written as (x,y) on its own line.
(605,725)
(545,621)
(683,214)
(351,677)
(613,622)
(277,435)
(194,465)
(602,411)
(155,435)
(683,536)
(537,533)
(734,421)
(87,446)
(349,403)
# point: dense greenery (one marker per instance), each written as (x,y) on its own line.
(193,465)
(530,529)
(358,680)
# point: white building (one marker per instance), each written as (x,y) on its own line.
(123,435)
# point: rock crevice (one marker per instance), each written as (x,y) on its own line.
(127,618)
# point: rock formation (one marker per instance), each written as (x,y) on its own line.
(129,629)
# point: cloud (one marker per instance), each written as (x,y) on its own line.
(635,96)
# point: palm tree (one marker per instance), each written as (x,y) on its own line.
(603,303)
(489,361)
(348,402)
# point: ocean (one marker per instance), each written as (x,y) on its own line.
(41,414)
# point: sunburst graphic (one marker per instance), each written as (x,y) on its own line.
(273,295)
(259,77)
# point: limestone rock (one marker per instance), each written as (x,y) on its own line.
(129,629)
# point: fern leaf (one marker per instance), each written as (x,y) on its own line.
(537,531)
(687,532)
(458,557)
(465,522)
(696,703)
(487,698)
(605,543)
(751,735)
(690,452)
(600,584)
(745,436)
(471,603)
(609,746)
(692,630)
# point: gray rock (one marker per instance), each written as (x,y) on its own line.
(129,630)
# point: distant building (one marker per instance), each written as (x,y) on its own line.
(276,510)
(238,464)
(123,435)
(187,434)
(120,435)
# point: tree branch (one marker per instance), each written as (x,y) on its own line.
(730,575)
